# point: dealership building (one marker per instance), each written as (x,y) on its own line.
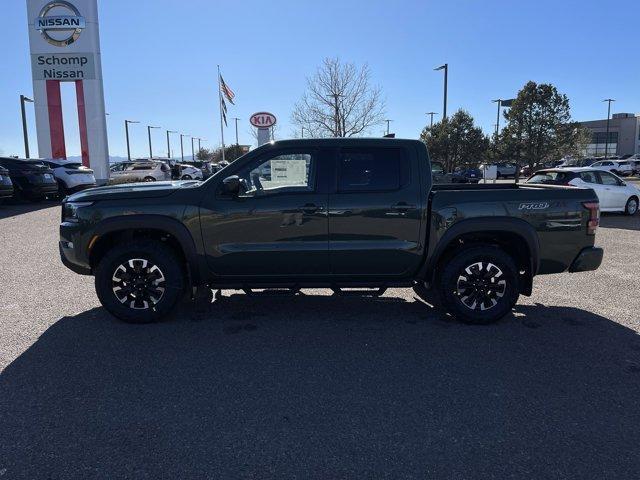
(624,135)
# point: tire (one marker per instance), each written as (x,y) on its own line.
(162,272)
(186,177)
(149,179)
(631,208)
(464,265)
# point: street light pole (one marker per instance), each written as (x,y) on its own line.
(606,140)
(149,127)
(181,147)
(499,102)
(24,124)
(388,122)
(126,130)
(168,144)
(193,155)
(444,67)
(431,114)
(236,120)
(302,132)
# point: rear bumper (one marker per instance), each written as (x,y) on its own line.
(78,188)
(40,190)
(588,259)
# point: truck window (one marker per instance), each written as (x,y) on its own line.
(370,170)
(291,170)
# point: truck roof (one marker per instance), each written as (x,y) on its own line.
(342,142)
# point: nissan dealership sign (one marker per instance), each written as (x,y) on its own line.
(60,23)
(65,47)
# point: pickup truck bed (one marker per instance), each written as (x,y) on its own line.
(327,212)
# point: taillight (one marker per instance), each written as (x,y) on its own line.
(594,217)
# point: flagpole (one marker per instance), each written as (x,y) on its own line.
(220,105)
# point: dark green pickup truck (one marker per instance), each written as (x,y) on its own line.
(336,213)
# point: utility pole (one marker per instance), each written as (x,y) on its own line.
(302,132)
(444,67)
(24,124)
(126,131)
(606,141)
(388,122)
(431,114)
(168,144)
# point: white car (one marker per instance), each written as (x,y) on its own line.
(139,171)
(71,175)
(614,194)
(613,166)
(188,172)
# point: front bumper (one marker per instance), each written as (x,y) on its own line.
(588,259)
(6,191)
(69,260)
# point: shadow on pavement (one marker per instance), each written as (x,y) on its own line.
(12,207)
(620,220)
(324,387)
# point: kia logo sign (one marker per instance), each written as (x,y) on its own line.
(263,120)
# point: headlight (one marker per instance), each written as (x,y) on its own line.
(70,210)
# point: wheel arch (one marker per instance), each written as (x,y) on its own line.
(111,231)
(515,236)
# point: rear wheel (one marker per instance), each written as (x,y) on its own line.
(479,284)
(140,281)
(186,177)
(149,179)
(632,206)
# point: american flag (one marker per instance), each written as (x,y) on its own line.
(226,91)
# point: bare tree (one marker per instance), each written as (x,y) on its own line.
(339,102)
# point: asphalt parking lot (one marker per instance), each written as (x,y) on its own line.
(314,386)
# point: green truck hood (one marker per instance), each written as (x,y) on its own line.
(131,190)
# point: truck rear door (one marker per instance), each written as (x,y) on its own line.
(374,212)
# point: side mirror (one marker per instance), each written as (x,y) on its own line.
(231,185)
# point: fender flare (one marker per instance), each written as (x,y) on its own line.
(157,222)
(514,226)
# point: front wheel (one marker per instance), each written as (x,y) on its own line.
(140,281)
(186,177)
(149,179)
(479,284)
(631,207)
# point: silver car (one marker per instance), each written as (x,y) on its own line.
(139,171)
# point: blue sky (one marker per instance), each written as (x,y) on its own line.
(159,60)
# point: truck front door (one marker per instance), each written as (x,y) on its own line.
(277,225)
(375,212)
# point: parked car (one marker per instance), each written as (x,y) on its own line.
(626,168)
(71,175)
(139,171)
(614,194)
(506,170)
(635,165)
(612,166)
(469,175)
(6,186)
(188,172)
(479,246)
(31,179)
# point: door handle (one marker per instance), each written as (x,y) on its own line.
(310,208)
(402,207)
